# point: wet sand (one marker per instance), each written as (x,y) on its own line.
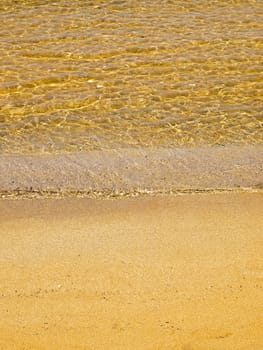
(127,172)
(165,272)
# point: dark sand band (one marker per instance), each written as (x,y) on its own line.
(132,171)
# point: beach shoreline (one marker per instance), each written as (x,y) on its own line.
(129,172)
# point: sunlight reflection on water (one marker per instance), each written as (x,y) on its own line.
(85,75)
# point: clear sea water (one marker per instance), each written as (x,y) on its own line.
(91,75)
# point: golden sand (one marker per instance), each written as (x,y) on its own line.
(162,273)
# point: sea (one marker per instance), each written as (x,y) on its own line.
(79,76)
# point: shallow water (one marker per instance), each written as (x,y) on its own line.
(84,75)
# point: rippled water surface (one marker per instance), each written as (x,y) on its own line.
(82,75)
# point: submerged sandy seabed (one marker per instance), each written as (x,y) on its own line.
(165,272)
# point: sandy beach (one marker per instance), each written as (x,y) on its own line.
(131,175)
(163,272)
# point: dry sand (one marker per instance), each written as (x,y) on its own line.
(162,273)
